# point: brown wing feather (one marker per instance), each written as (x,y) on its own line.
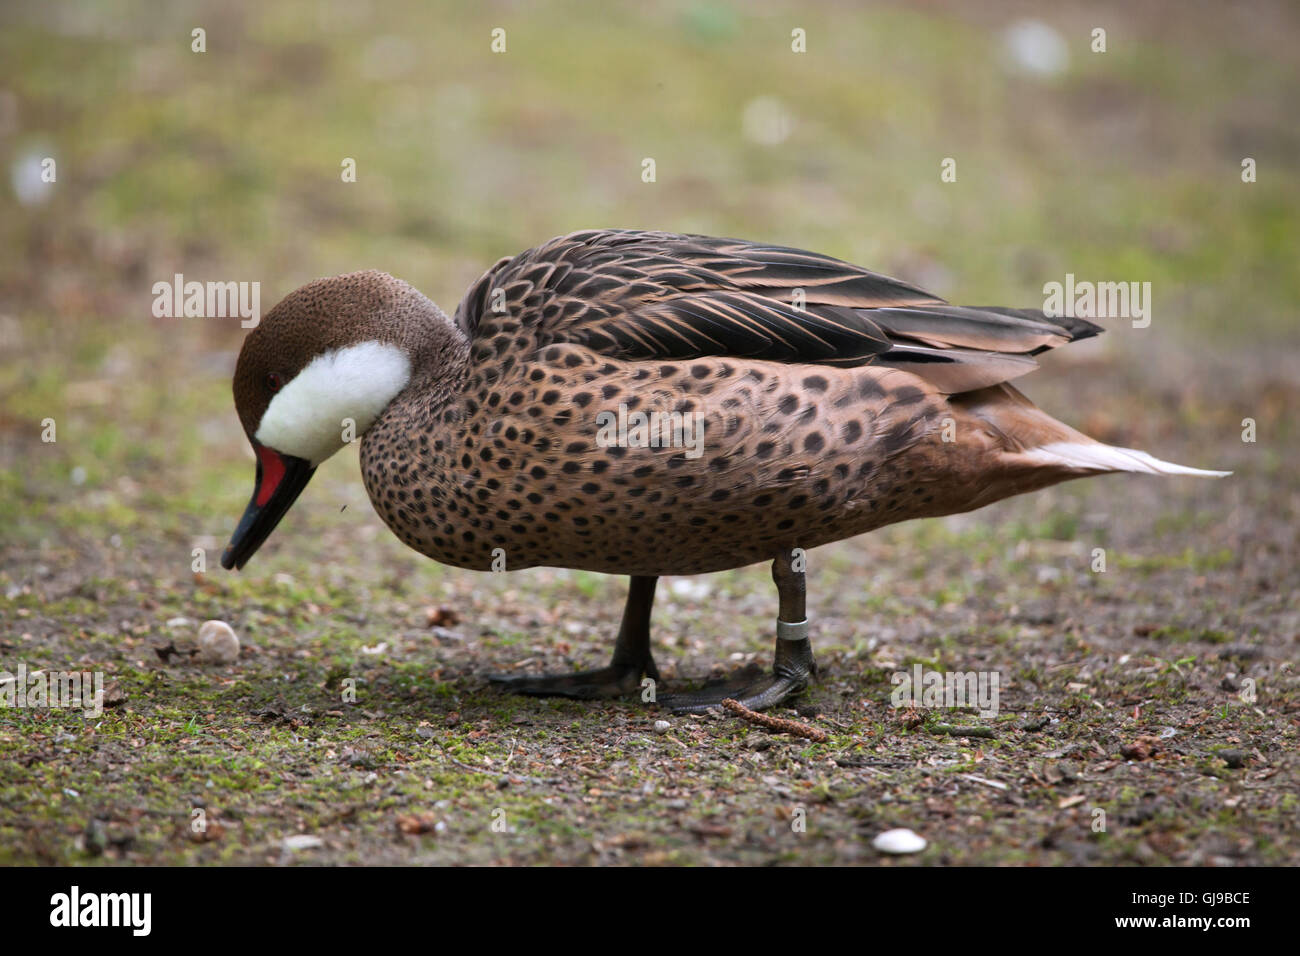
(662,296)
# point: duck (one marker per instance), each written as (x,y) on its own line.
(646,403)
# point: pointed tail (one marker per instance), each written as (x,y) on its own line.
(1028,436)
(1094,456)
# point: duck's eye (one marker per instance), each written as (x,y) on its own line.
(273,382)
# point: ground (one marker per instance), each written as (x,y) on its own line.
(1160,691)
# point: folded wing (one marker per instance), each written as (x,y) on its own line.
(668,297)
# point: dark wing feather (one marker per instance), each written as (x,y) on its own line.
(662,296)
(740,324)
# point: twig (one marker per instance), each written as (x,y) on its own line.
(464,766)
(1066,663)
(794,727)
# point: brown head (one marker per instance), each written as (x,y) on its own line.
(317,371)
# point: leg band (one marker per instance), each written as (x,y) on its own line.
(792,632)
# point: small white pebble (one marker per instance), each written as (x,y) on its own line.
(303,841)
(690,590)
(766,121)
(899,841)
(218,643)
(27,176)
(662,726)
(1031,46)
(180,622)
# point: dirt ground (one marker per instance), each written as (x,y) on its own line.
(1148,712)
(1121,691)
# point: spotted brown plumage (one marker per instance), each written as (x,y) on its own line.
(833,400)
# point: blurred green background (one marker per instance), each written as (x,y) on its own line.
(225,165)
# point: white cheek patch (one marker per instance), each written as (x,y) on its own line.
(307,417)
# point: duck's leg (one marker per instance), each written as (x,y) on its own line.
(793,666)
(632,658)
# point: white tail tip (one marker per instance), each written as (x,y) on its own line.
(1098,457)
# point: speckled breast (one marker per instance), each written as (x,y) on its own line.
(579,461)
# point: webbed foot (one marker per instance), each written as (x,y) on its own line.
(632,658)
(610,681)
(791,673)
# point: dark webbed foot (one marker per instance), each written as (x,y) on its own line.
(791,674)
(793,666)
(608,681)
(632,658)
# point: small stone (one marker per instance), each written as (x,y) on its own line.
(690,590)
(1144,748)
(218,643)
(441,616)
(662,726)
(1235,759)
(416,823)
(95,838)
(303,841)
(899,842)
(1034,47)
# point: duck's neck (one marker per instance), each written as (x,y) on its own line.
(439,353)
